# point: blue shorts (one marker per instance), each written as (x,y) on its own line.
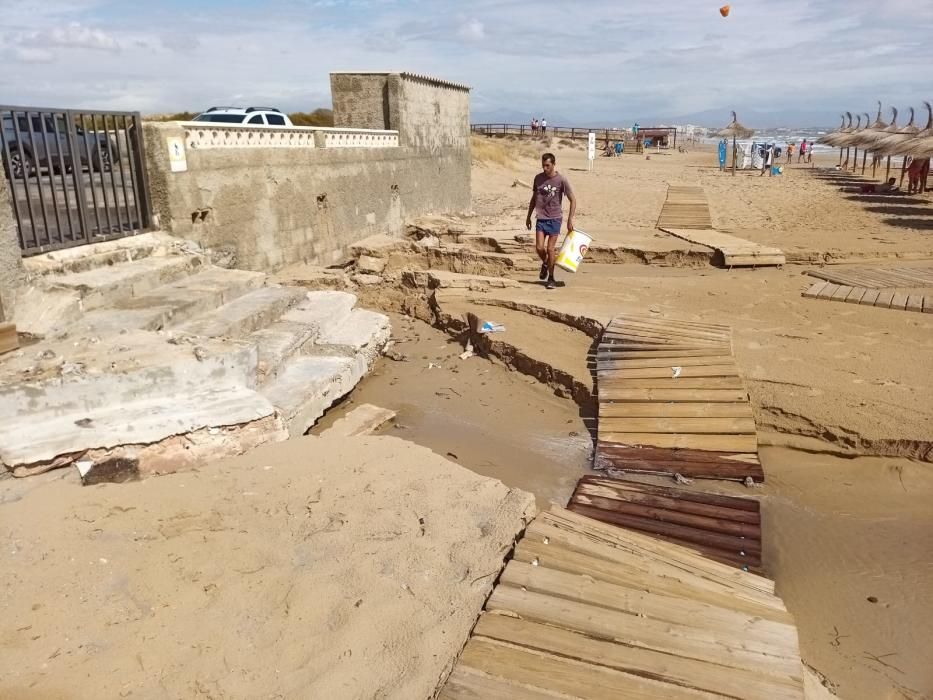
(549,227)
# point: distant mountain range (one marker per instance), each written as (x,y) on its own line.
(714,118)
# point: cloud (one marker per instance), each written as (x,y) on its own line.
(27,54)
(472,30)
(180,42)
(77,36)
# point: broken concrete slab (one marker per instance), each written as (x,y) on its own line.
(369,265)
(60,429)
(444,279)
(307,386)
(363,333)
(243,315)
(322,309)
(367,280)
(362,420)
(106,253)
(277,343)
(106,285)
(42,313)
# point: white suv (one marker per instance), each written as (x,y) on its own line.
(251,116)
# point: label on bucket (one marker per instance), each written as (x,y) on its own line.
(576,243)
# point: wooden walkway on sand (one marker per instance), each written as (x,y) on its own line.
(671,400)
(881,298)
(736,252)
(877,277)
(724,528)
(586,610)
(685,207)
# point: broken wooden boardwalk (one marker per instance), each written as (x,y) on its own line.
(877,277)
(671,401)
(724,528)
(736,252)
(685,207)
(881,298)
(587,610)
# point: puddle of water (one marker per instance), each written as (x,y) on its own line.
(493,421)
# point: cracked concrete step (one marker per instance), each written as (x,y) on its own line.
(363,333)
(174,303)
(101,286)
(308,386)
(44,435)
(96,255)
(235,319)
(322,309)
(277,343)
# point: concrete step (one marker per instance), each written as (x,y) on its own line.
(105,254)
(173,304)
(307,386)
(363,334)
(324,309)
(277,343)
(40,436)
(245,314)
(102,286)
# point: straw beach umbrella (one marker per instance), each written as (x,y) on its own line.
(869,136)
(848,139)
(836,138)
(736,130)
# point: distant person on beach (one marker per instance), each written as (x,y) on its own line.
(790,153)
(534,126)
(767,159)
(544,127)
(810,152)
(722,155)
(917,172)
(883,188)
(547,193)
(803,151)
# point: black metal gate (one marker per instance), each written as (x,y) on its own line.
(75,176)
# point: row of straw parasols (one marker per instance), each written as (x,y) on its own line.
(882,139)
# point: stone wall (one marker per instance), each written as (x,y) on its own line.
(12,274)
(284,197)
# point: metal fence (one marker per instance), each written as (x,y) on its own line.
(577,132)
(75,176)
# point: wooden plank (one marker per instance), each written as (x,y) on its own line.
(9,340)
(575,679)
(683,496)
(713,443)
(828,291)
(869,298)
(688,395)
(671,322)
(675,410)
(610,384)
(666,371)
(666,328)
(915,302)
(885,297)
(624,353)
(577,532)
(668,362)
(855,295)
(737,260)
(638,335)
(638,601)
(685,672)
(814,291)
(692,426)
(465,683)
(899,301)
(841,293)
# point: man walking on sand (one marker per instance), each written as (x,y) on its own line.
(547,195)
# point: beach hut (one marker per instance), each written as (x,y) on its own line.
(736,131)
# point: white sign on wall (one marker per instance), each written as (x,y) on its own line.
(591,148)
(176,154)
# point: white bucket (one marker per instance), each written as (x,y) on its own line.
(576,243)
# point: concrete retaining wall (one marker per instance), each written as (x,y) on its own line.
(271,206)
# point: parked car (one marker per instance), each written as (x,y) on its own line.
(248,116)
(28,151)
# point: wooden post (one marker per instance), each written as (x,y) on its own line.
(840,156)
(573,134)
(903,170)
(855,160)
(864,159)
(874,164)
(887,172)
(733,155)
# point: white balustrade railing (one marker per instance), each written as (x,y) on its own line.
(204,135)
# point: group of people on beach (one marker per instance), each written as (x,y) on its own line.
(770,153)
(538,127)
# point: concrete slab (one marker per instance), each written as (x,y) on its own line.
(56,430)
(322,309)
(244,314)
(106,285)
(42,313)
(278,343)
(88,257)
(363,333)
(362,420)
(443,279)
(307,386)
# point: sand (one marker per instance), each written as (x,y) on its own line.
(349,568)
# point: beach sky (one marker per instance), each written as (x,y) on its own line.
(599,60)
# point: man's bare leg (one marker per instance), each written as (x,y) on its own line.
(551,255)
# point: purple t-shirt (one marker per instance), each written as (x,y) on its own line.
(549,194)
